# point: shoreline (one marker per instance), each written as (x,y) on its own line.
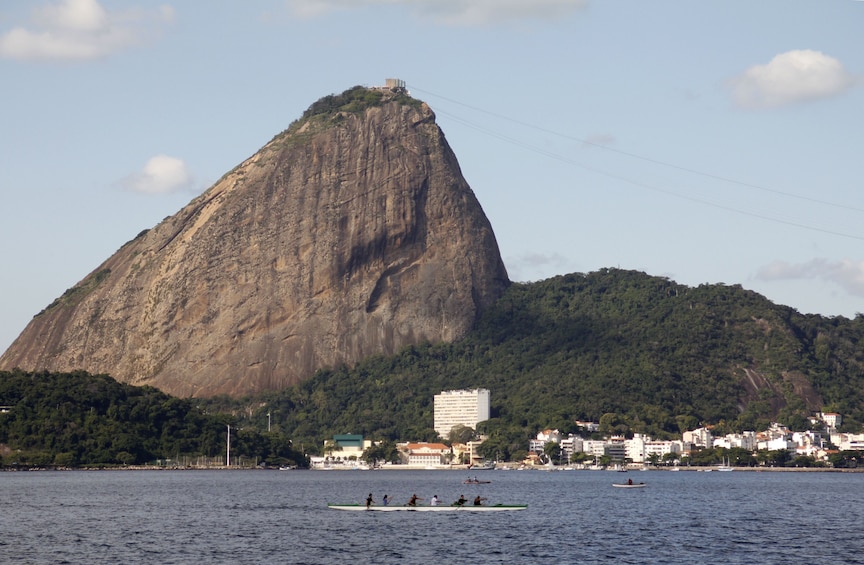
(484,472)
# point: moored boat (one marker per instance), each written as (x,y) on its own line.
(486,466)
(453,508)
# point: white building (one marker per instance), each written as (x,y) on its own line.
(537,445)
(588,426)
(700,437)
(460,408)
(744,440)
(427,454)
(636,448)
(572,444)
(832,419)
(594,447)
(661,448)
(848,442)
(778,444)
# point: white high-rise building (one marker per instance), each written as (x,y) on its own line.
(460,407)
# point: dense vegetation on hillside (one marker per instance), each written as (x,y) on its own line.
(634,352)
(355,100)
(73,419)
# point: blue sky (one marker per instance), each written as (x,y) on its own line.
(707,142)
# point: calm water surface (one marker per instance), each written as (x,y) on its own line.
(572,517)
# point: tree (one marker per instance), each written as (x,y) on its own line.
(779,457)
(382,451)
(552,450)
(845,459)
(461,434)
(330,446)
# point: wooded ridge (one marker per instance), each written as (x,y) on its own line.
(635,352)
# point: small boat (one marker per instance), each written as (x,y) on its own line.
(629,485)
(725,466)
(486,466)
(441,508)
(475,482)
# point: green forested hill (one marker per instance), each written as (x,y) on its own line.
(72,419)
(636,352)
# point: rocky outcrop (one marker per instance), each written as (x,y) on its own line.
(350,234)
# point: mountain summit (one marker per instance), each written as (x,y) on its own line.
(352,233)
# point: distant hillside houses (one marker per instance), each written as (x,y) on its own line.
(641,449)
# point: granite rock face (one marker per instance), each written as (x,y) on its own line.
(350,234)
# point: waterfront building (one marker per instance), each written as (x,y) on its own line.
(594,447)
(570,445)
(661,448)
(427,454)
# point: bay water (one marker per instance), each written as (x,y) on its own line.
(179,517)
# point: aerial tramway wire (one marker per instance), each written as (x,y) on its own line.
(642,157)
(571,161)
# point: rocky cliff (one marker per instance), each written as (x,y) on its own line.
(350,234)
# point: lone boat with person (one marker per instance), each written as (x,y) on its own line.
(629,484)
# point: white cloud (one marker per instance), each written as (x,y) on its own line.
(76,30)
(794,76)
(535,266)
(73,15)
(452,12)
(162,174)
(847,274)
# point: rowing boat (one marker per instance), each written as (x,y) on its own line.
(454,508)
(631,485)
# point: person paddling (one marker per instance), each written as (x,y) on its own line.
(478,501)
(462,500)
(369,500)
(414,499)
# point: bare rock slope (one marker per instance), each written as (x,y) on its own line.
(350,234)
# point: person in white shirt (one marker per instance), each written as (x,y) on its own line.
(434,501)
